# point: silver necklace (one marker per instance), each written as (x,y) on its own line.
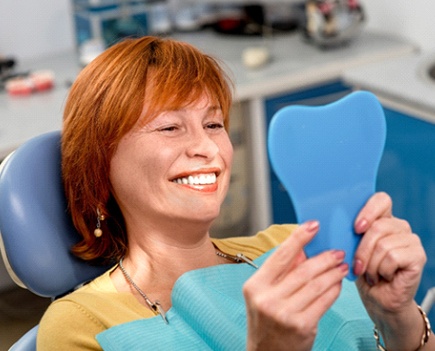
(238,258)
(155,306)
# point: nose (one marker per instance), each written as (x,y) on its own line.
(201,144)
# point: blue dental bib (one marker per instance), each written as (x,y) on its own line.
(208,313)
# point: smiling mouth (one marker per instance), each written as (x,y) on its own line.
(198,179)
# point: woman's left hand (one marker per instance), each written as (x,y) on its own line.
(389,259)
(389,262)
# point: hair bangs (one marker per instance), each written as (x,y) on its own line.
(179,79)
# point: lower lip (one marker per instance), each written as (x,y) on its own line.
(206,188)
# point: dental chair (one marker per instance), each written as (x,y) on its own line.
(35,231)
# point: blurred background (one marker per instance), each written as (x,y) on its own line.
(37,28)
(279,52)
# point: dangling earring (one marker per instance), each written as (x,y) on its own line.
(100,217)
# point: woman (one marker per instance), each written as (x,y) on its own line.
(146,166)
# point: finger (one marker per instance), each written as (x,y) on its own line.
(270,297)
(404,254)
(385,259)
(379,205)
(282,260)
(307,306)
(324,302)
(317,296)
(308,271)
(380,228)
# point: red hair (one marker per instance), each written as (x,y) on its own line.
(104,103)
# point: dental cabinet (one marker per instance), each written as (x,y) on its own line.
(407,170)
(296,72)
(407,174)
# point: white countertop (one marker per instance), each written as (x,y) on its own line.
(294,64)
(402,83)
(23,117)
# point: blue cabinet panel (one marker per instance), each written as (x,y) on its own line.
(407,174)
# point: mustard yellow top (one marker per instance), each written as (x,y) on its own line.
(73,321)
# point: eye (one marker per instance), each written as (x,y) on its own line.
(214,126)
(168,129)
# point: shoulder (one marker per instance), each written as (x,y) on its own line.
(68,325)
(258,244)
(73,321)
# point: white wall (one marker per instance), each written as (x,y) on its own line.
(412,20)
(31,28)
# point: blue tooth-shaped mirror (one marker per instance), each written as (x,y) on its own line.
(327,158)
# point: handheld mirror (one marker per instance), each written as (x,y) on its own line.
(327,158)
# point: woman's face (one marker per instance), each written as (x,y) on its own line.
(176,167)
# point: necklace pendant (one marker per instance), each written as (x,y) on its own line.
(159,309)
(242,257)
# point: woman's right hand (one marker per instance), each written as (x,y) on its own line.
(289,293)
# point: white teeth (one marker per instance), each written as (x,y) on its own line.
(200,179)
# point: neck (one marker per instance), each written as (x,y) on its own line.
(171,257)
(176,232)
(155,262)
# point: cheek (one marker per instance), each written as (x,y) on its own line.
(119,169)
(132,184)
(227,157)
(126,169)
(141,169)
(227,152)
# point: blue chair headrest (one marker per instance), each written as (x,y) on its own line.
(36,231)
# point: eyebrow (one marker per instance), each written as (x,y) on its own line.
(213,108)
(210,108)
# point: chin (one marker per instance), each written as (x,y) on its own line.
(206,219)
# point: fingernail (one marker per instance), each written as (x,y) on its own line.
(339,255)
(344,267)
(361,225)
(312,226)
(358,267)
